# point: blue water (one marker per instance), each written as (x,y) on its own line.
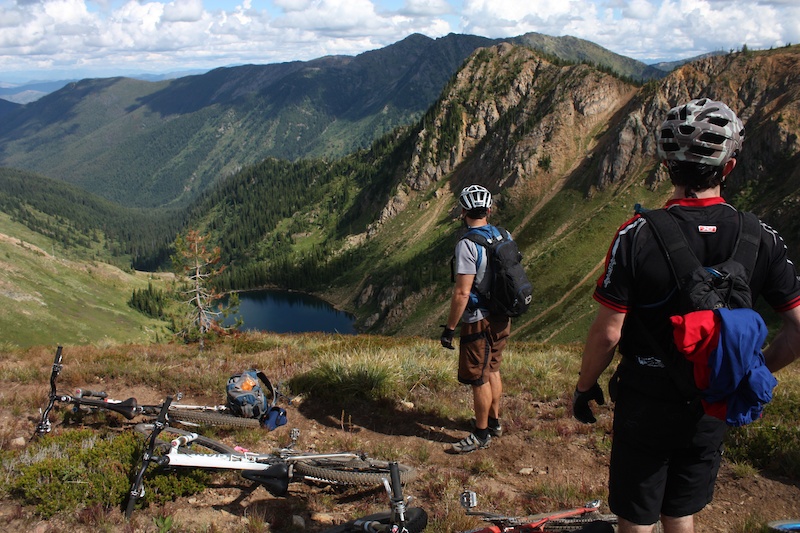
(290,312)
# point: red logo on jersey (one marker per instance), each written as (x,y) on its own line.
(707,229)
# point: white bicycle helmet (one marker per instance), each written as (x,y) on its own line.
(475,196)
(702,131)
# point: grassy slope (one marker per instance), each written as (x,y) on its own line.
(49,300)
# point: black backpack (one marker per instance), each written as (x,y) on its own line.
(704,288)
(511,292)
(724,285)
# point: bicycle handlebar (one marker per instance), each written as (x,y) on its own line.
(87,398)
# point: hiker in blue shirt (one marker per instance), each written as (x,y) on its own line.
(483,335)
(666,449)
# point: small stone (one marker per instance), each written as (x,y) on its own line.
(526,471)
(323,518)
(298,522)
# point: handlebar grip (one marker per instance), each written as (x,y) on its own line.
(86,393)
(397,488)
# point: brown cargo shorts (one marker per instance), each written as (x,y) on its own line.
(481,348)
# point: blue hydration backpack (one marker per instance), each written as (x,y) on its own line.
(247,398)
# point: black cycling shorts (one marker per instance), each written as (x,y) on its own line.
(665,457)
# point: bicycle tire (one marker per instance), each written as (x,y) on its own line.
(416,522)
(577,522)
(211,418)
(368,472)
(784,525)
(199,445)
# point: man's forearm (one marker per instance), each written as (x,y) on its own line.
(604,335)
(780,353)
(595,360)
(457,305)
(785,347)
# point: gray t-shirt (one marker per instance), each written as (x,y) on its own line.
(471,258)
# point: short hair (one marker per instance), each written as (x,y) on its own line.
(694,176)
(477,213)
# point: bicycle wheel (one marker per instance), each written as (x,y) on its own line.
(199,445)
(416,522)
(592,522)
(211,418)
(785,525)
(347,471)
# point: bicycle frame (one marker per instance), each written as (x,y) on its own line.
(513,524)
(244,461)
(272,470)
(85,398)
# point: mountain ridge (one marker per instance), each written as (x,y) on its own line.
(147,144)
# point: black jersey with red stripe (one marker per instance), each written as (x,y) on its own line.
(637,279)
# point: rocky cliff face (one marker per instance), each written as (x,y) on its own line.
(510,119)
(527,128)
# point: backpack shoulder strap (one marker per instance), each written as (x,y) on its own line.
(269,388)
(477,236)
(485,235)
(748,242)
(673,242)
(681,258)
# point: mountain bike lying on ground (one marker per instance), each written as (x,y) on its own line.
(84,400)
(172,447)
(399,519)
(585,519)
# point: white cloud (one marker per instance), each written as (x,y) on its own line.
(183,11)
(426,8)
(101,37)
(639,10)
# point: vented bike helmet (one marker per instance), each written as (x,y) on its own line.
(702,131)
(475,196)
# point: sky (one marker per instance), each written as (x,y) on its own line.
(70,39)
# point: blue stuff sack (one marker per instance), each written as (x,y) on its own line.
(276,416)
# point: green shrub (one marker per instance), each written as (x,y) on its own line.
(84,468)
(773,442)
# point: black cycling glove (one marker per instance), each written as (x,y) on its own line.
(580,403)
(447,338)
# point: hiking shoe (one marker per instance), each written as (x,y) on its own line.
(470,443)
(496,431)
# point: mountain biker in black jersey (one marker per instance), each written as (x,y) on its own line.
(666,450)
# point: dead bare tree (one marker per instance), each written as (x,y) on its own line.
(200,265)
